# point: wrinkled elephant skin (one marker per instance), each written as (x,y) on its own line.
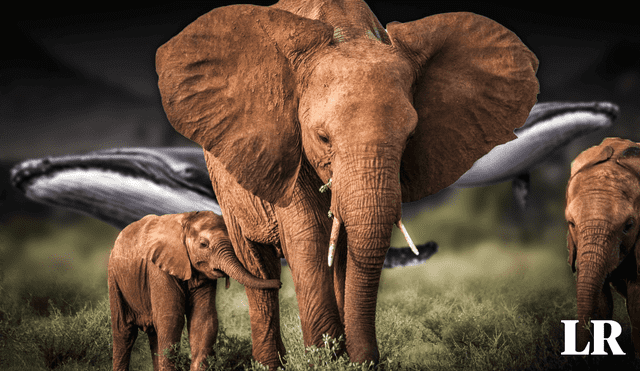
(603,206)
(163,267)
(286,97)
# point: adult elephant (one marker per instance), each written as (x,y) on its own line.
(287,97)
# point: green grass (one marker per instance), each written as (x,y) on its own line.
(437,319)
(489,300)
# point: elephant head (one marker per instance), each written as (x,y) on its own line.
(199,240)
(389,116)
(602,211)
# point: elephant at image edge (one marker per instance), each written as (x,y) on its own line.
(286,97)
(163,267)
(603,208)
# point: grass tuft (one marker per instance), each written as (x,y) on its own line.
(83,338)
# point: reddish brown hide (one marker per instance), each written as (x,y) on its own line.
(283,98)
(603,204)
(163,267)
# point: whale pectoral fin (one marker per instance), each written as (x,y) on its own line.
(404,257)
(120,185)
(521,186)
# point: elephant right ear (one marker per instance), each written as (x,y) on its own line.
(166,248)
(630,159)
(227,82)
(475,84)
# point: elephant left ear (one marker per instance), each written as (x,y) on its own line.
(475,84)
(590,157)
(166,246)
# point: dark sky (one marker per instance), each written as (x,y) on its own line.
(75,79)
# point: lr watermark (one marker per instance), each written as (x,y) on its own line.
(598,338)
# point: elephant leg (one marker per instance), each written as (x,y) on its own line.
(202,322)
(168,335)
(123,341)
(259,258)
(264,305)
(315,291)
(124,334)
(304,234)
(168,302)
(153,347)
(633,309)
(266,338)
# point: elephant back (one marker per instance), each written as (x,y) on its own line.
(131,241)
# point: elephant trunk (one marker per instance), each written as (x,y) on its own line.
(228,262)
(593,261)
(368,204)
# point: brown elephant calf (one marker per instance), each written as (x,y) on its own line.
(163,267)
(603,208)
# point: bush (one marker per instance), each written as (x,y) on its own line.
(83,338)
(231,353)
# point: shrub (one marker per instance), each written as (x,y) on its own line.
(231,353)
(84,338)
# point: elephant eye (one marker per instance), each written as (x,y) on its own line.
(323,138)
(204,243)
(628,226)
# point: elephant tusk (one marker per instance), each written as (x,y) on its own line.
(333,241)
(407,237)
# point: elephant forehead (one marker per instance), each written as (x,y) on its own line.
(604,177)
(346,88)
(362,65)
(205,220)
(603,190)
(360,91)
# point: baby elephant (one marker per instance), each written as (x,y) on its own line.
(603,211)
(163,267)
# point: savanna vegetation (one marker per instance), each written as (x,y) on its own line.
(492,298)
